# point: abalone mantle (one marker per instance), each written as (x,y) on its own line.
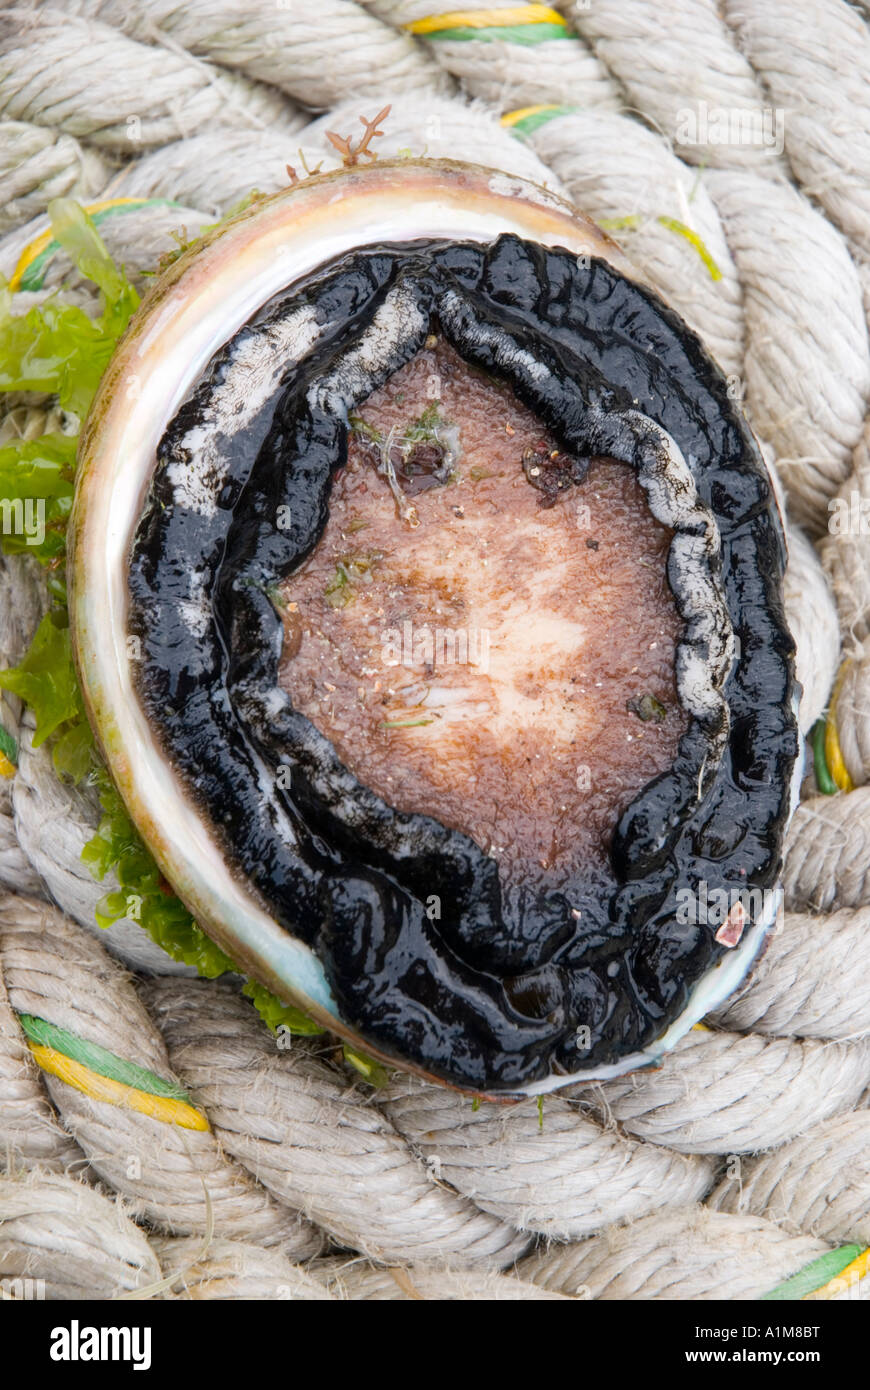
(610,371)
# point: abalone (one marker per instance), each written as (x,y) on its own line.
(246,494)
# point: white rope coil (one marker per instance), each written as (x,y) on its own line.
(54,820)
(696,1254)
(506,73)
(733,1093)
(559,1173)
(813,981)
(814,57)
(320,55)
(89,80)
(845,550)
(439,129)
(22,604)
(232,1269)
(807,366)
(827,862)
(360,1280)
(37,165)
(65,1241)
(817,1184)
(215,171)
(853,716)
(687,77)
(314,1141)
(174,1176)
(812,618)
(197,104)
(29,1130)
(137,242)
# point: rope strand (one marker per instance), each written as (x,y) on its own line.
(719,152)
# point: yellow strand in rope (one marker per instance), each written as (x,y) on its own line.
(859,1267)
(37,246)
(833,752)
(91,1084)
(486,19)
(523,112)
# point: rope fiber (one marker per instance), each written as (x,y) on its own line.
(156,1139)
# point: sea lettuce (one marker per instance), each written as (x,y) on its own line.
(39,472)
(56,347)
(45,679)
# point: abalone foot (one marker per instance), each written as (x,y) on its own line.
(206,491)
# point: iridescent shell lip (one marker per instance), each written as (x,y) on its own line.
(194,308)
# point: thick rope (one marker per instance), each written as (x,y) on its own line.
(440,129)
(357,1279)
(314,1141)
(812,618)
(519,59)
(69,1241)
(168,1167)
(320,55)
(136,233)
(37,165)
(22,604)
(852,716)
(845,550)
(695,1254)
(814,57)
(813,981)
(198,104)
(681,75)
(828,853)
(559,1173)
(90,81)
(53,822)
(817,1184)
(807,366)
(29,1129)
(232,1269)
(734,1093)
(215,171)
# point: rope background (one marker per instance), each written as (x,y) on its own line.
(746,1157)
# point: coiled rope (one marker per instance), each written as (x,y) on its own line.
(158,1141)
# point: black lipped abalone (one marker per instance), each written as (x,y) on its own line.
(401,929)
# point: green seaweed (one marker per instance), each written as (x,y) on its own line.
(38,472)
(350,571)
(363,429)
(144,895)
(56,347)
(825,782)
(370,1070)
(277,1015)
(648,708)
(425,429)
(45,679)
